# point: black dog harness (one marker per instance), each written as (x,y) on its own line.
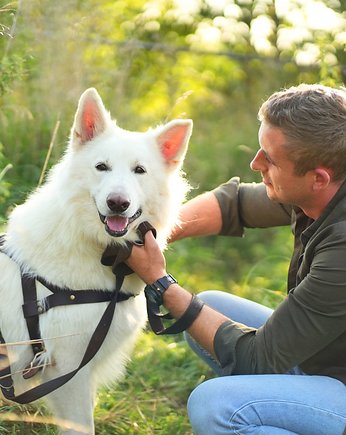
(114,256)
(32,308)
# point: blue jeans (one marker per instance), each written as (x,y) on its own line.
(291,403)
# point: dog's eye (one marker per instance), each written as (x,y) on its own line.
(102,167)
(140,170)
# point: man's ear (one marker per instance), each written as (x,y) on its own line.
(322,178)
(173,139)
(91,118)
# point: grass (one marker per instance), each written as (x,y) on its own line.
(150,400)
(160,378)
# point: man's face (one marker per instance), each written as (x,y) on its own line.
(277,170)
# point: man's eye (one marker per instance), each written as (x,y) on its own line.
(268,159)
(102,167)
(139,170)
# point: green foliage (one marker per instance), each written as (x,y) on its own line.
(4,189)
(4,185)
(11,68)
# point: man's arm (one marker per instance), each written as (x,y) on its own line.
(228,209)
(176,299)
(201,216)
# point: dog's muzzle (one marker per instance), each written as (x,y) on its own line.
(117,225)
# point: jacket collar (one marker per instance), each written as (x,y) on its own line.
(331,213)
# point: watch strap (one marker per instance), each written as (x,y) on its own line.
(156,290)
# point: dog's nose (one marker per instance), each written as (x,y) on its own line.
(117,203)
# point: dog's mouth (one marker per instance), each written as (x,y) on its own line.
(117,225)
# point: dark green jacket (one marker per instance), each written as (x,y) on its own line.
(308,329)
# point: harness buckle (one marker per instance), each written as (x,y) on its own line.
(34,367)
(9,386)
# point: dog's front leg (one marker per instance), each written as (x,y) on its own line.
(73,405)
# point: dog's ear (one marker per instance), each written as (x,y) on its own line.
(91,118)
(173,140)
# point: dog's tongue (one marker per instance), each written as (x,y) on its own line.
(117,223)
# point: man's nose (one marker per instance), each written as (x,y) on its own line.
(257,163)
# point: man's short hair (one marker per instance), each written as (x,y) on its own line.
(313,119)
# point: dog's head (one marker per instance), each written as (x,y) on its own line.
(131,176)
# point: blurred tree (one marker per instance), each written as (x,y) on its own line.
(11,69)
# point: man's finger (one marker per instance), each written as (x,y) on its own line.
(149,239)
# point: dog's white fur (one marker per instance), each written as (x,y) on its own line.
(57,234)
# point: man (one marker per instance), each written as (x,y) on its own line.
(281,371)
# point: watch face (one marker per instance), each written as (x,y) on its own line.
(163,283)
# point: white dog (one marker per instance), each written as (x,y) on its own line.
(107,183)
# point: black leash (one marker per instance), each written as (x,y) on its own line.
(155,316)
(114,256)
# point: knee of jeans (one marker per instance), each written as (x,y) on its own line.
(200,408)
(196,410)
(208,296)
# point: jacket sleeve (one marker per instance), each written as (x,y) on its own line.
(246,205)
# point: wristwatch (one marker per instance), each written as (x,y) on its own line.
(155,290)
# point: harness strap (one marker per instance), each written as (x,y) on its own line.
(68,297)
(29,294)
(6,382)
(47,387)
(32,322)
(32,308)
(97,338)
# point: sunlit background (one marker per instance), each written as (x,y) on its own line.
(212,60)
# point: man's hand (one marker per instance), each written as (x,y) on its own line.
(148,261)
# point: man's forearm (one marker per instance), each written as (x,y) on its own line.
(201,216)
(176,299)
